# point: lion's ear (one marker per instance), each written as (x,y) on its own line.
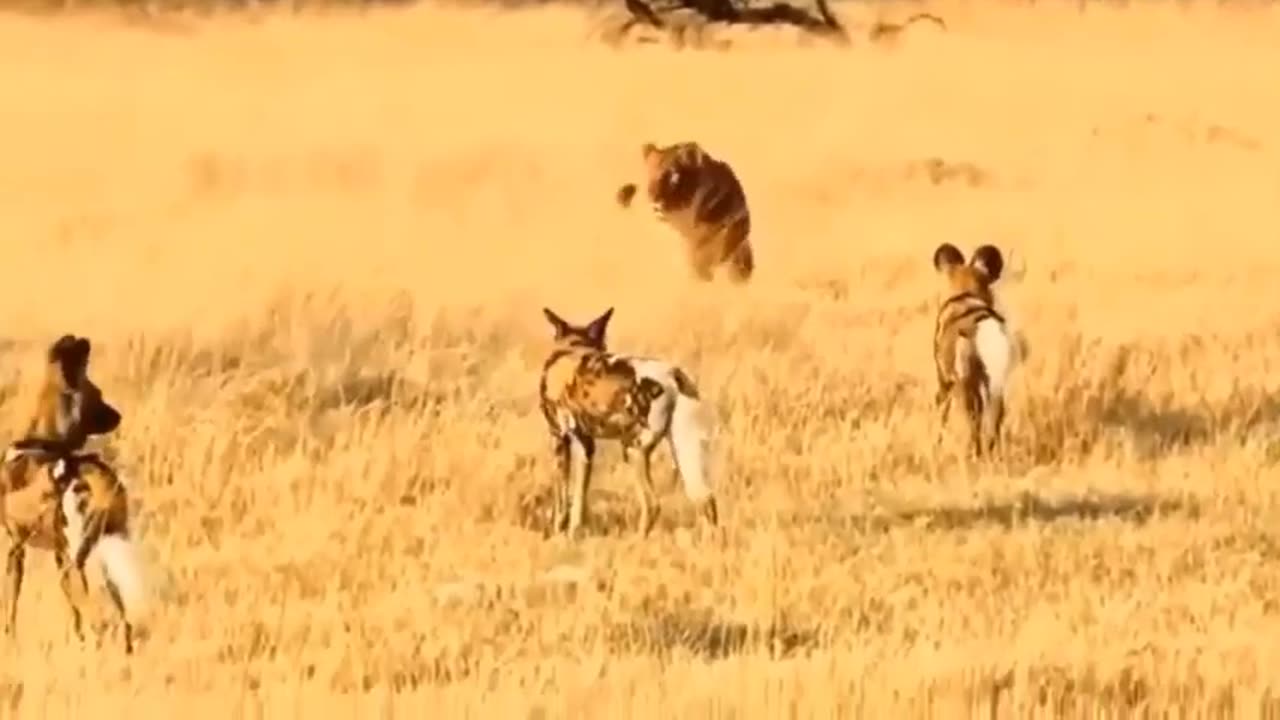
(654,157)
(648,149)
(691,154)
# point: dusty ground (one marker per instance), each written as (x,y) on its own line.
(312,255)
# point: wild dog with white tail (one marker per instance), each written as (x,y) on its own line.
(59,499)
(972,347)
(588,394)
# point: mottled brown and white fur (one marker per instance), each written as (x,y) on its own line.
(972,348)
(59,499)
(588,394)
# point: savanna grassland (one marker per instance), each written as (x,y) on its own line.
(312,254)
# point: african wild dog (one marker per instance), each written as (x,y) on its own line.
(589,394)
(58,499)
(972,350)
(701,198)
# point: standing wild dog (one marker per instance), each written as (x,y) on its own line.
(588,394)
(971,346)
(58,499)
(702,199)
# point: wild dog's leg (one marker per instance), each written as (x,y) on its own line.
(944,359)
(93,526)
(74,584)
(944,351)
(710,512)
(74,588)
(560,493)
(118,601)
(958,395)
(644,490)
(972,400)
(14,568)
(943,401)
(582,450)
(993,418)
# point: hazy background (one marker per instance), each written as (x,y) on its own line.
(311,253)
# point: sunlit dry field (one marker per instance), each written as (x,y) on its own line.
(312,255)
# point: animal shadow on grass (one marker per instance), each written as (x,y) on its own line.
(1158,429)
(1029,507)
(701,634)
(610,513)
(612,508)
(368,389)
(1077,414)
(1075,422)
(303,393)
(294,409)
(607,511)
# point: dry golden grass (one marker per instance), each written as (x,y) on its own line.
(312,254)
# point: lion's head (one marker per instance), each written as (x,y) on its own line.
(670,173)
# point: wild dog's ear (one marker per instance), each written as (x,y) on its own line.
(62,347)
(561,327)
(71,355)
(946,257)
(625,194)
(596,330)
(988,261)
(648,150)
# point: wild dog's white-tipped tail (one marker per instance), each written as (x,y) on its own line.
(688,445)
(995,350)
(120,564)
